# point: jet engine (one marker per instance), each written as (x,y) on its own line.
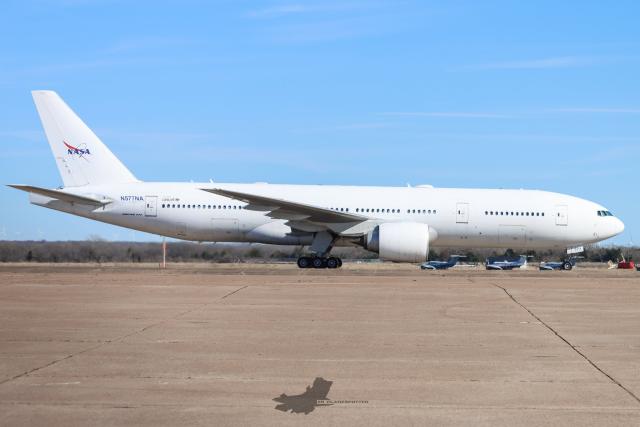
(400,241)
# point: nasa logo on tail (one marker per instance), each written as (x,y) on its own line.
(80,151)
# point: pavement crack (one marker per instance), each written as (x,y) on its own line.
(573,347)
(53,362)
(118,339)
(233,292)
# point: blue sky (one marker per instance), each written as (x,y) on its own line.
(505,94)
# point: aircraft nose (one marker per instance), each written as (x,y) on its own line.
(618,227)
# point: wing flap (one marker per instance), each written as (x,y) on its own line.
(287,214)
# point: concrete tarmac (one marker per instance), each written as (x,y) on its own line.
(373,345)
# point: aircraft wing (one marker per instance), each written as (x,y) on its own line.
(61,195)
(292,211)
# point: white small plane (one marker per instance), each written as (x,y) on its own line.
(399,223)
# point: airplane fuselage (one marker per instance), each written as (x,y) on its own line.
(399,223)
(457,217)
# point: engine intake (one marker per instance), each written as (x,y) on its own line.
(400,241)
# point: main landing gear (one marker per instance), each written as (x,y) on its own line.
(319,262)
(321,245)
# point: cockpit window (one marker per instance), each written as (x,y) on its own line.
(604,213)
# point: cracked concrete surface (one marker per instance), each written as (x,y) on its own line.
(214,344)
(573,347)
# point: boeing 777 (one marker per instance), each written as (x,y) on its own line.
(398,223)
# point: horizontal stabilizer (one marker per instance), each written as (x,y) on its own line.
(61,195)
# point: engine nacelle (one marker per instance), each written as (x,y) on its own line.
(400,241)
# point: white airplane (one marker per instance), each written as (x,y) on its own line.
(399,223)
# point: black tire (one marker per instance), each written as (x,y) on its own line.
(567,266)
(318,262)
(332,262)
(304,262)
(339,262)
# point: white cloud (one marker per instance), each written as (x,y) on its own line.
(447,114)
(147,43)
(287,9)
(597,110)
(542,63)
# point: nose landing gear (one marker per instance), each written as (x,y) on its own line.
(319,262)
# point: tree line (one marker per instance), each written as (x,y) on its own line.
(98,251)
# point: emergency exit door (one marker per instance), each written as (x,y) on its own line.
(462,213)
(150,205)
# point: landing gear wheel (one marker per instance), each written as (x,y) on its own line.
(318,262)
(567,266)
(304,262)
(333,262)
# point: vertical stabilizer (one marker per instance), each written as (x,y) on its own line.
(81,157)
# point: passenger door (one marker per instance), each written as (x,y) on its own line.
(562,215)
(462,213)
(150,205)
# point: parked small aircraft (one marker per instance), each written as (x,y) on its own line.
(441,265)
(502,263)
(566,264)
